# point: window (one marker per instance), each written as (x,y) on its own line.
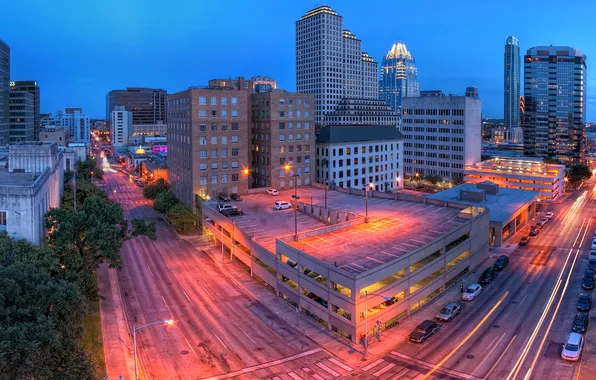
(224,113)
(290,114)
(298,102)
(306,114)
(202,100)
(290,125)
(202,113)
(213,179)
(224,178)
(298,114)
(213,140)
(214,166)
(234,164)
(282,113)
(214,100)
(306,125)
(213,113)
(224,101)
(282,137)
(234,139)
(234,177)
(282,125)
(203,128)
(213,153)
(307,136)
(234,100)
(234,125)
(203,140)
(224,153)
(203,167)
(203,180)
(282,102)
(224,139)
(298,136)
(224,127)
(203,153)
(213,127)
(290,137)
(234,152)
(224,165)
(234,113)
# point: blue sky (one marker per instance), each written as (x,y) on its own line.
(78,50)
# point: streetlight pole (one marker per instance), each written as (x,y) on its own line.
(222,246)
(366,320)
(297,198)
(134,339)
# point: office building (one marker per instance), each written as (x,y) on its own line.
(330,63)
(148,105)
(79,125)
(4,92)
(361,111)
(399,76)
(57,135)
(501,134)
(555,86)
(442,134)
(32,88)
(208,141)
(523,173)
(282,139)
(22,116)
(357,156)
(511,82)
(73,110)
(121,124)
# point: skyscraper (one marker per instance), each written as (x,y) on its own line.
(32,88)
(148,105)
(555,102)
(330,63)
(4,91)
(22,116)
(399,76)
(511,82)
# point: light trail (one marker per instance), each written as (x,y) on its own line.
(574,208)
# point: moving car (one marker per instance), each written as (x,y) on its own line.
(449,311)
(588,282)
(232,212)
(524,240)
(501,262)
(140,183)
(580,323)
(543,221)
(272,192)
(584,302)
(423,331)
(282,205)
(224,197)
(549,215)
(488,275)
(471,292)
(235,197)
(225,206)
(573,347)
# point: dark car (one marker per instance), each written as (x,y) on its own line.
(235,197)
(524,240)
(534,231)
(223,197)
(588,282)
(140,183)
(501,262)
(232,212)
(488,275)
(423,331)
(592,265)
(580,323)
(584,302)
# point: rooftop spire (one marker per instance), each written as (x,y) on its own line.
(398,50)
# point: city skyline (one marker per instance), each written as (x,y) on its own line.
(474,59)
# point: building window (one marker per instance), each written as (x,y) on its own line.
(203,180)
(224,178)
(202,113)
(224,165)
(234,164)
(224,113)
(202,100)
(214,100)
(234,100)
(203,127)
(306,125)
(203,140)
(234,152)
(282,102)
(234,113)
(282,113)
(234,126)
(224,139)
(203,153)
(203,167)
(213,153)
(213,127)
(234,177)
(213,113)
(224,127)
(234,139)
(214,166)
(224,101)
(213,179)
(224,153)
(282,137)
(282,125)
(213,140)
(307,136)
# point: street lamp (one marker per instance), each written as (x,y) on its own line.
(366,319)
(297,198)
(371,186)
(168,322)
(397,181)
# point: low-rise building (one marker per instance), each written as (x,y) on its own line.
(58,135)
(524,173)
(29,187)
(356,156)
(73,153)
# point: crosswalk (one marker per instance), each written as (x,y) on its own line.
(326,369)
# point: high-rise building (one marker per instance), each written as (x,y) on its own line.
(22,116)
(32,88)
(282,139)
(330,63)
(555,102)
(148,105)
(208,141)
(442,134)
(79,125)
(359,111)
(399,76)
(511,82)
(121,124)
(4,92)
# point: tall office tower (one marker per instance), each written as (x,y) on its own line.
(121,124)
(32,88)
(511,82)
(22,116)
(330,63)
(555,102)
(148,105)
(399,76)
(4,92)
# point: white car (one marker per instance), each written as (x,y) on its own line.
(272,192)
(572,348)
(549,215)
(543,221)
(225,206)
(471,292)
(282,205)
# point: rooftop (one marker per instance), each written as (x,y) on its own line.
(501,206)
(521,165)
(16,179)
(357,133)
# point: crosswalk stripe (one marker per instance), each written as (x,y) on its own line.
(328,370)
(311,373)
(384,369)
(400,374)
(373,364)
(294,376)
(276,378)
(340,364)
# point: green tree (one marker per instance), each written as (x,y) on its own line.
(550,160)
(181,217)
(85,168)
(156,188)
(579,172)
(84,190)
(164,202)
(141,227)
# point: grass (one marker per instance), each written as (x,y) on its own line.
(92,340)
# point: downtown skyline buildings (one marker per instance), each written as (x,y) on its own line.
(398,76)
(511,83)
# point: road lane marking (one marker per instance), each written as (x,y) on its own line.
(523,299)
(579,368)
(192,349)
(210,296)
(248,336)
(164,301)
(328,370)
(340,364)
(373,364)
(384,369)
(500,357)
(428,365)
(489,353)
(220,341)
(166,262)
(150,272)
(187,297)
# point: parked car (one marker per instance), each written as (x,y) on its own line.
(588,282)
(593,247)
(235,197)
(501,262)
(471,292)
(589,272)
(140,183)
(543,221)
(524,240)
(580,323)
(573,346)
(549,215)
(449,311)
(225,206)
(592,265)
(232,212)
(423,331)
(272,192)
(488,275)
(534,231)
(282,205)
(224,197)
(584,302)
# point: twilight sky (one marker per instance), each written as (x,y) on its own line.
(79,50)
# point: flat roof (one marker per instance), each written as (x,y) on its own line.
(529,166)
(501,206)
(16,179)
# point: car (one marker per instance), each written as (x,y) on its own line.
(272,192)
(423,331)
(588,282)
(232,212)
(471,292)
(543,221)
(589,273)
(224,197)
(282,205)
(584,302)
(592,265)
(524,240)
(580,323)
(140,183)
(235,197)
(534,231)
(225,206)
(549,215)
(593,247)
(449,311)
(572,348)
(501,262)
(488,275)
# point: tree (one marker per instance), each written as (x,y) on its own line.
(84,190)
(156,188)
(164,202)
(181,217)
(140,227)
(433,179)
(85,168)
(550,160)
(579,172)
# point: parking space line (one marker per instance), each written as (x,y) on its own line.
(384,369)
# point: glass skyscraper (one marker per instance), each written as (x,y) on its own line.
(511,82)
(555,102)
(399,76)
